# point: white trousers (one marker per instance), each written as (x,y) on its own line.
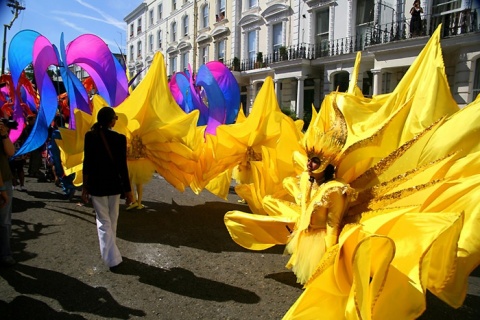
(107,209)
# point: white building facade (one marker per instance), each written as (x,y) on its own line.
(308,47)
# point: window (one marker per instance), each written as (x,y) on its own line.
(340,81)
(252,3)
(386,82)
(221,10)
(442,6)
(364,16)
(139,49)
(150,16)
(277,36)
(185,25)
(160,11)
(131,30)
(476,80)
(322,28)
(173,64)
(204,58)
(364,11)
(139,25)
(150,43)
(205,16)
(131,52)
(174,31)
(159,37)
(174,4)
(221,50)
(252,45)
(185,61)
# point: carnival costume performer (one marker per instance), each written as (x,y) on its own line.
(323,201)
(409,226)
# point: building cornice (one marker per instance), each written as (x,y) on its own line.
(277,12)
(134,14)
(313,4)
(219,31)
(251,20)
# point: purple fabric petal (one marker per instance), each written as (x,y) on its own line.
(197,100)
(90,52)
(77,95)
(176,92)
(43,56)
(216,101)
(121,92)
(229,87)
(19,57)
(183,84)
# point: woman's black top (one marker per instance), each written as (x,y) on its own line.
(105,176)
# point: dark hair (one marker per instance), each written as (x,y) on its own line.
(329,172)
(104,117)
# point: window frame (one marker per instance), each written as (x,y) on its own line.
(252,47)
(150,42)
(276,46)
(476,80)
(160,11)
(139,49)
(185,25)
(139,25)
(205,16)
(174,31)
(159,39)
(221,50)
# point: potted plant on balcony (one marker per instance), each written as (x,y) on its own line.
(283,53)
(236,64)
(259,62)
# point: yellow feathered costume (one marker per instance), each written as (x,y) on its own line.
(160,136)
(411,158)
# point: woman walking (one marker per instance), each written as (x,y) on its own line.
(105,178)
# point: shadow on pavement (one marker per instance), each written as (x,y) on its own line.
(58,286)
(17,310)
(288,278)
(20,205)
(184,282)
(199,226)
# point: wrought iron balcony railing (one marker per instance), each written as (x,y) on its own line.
(453,24)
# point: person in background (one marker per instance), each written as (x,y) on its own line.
(416,21)
(7,149)
(35,159)
(105,178)
(17,164)
(66,182)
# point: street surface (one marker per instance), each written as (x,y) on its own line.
(179,263)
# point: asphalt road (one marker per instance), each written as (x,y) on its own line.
(179,263)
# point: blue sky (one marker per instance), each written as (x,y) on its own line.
(50,18)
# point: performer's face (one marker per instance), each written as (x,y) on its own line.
(313,164)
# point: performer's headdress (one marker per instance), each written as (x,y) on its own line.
(326,136)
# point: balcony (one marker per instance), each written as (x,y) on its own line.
(453,24)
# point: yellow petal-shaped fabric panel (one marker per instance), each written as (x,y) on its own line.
(257,232)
